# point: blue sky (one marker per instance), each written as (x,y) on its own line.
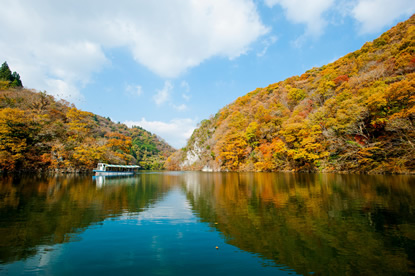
(168,64)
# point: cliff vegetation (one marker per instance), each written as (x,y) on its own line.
(40,133)
(356,114)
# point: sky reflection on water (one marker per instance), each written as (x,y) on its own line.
(170,224)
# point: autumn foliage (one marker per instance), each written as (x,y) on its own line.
(39,133)
(356,114)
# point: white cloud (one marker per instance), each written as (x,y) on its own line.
(343,8)
(267,43)
(64,90)
(64,40)
(373,15)
(135,90)
(186,97)
(186,87)
(174,207)
(192,33)
(163,94)
(180,107)
(61,70)
(175,132)
(308,12)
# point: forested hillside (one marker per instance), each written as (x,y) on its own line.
(356,114)
(40,133)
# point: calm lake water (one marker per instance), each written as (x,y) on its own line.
(192,223)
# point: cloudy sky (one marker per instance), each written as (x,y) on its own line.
(168,64)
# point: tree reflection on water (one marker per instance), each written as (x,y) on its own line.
(320,223)
(311,223)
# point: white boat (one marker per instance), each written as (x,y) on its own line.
(109,169)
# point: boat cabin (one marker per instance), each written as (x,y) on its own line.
(110,169)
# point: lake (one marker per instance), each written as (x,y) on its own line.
(194,223)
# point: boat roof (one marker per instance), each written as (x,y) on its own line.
(120,166)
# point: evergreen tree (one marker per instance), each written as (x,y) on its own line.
(7,75)
(16,82)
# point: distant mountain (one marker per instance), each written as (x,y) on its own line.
(356,114)
(40,133)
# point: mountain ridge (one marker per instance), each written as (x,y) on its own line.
(40,133)
(356,114)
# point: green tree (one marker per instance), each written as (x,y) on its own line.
(12,79)
(16,82)
(5,73)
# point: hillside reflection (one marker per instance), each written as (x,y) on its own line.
(323,224)
(38,211)
(311,223)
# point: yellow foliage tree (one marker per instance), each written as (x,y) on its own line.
(80,123)
(272,155)
(233,151)
(13,135)
(89,153)
(306,149)
(119,145)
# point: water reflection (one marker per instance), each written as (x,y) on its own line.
(310,223)
(44,211)
(324,224)
(102,180)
